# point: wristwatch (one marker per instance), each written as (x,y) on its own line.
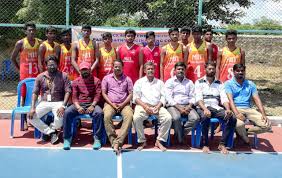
(63,106)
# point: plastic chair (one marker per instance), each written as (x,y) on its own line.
(154,120)
(6,69)
(118,118)
(87,117)
(195,132)
(29,82)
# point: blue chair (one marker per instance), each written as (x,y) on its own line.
(23,110)
(118,118)
(195,133)
(6,69)
(154,120)
(87,117)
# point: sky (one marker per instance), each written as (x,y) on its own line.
(268,8)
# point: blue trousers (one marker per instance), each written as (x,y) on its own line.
(71,112)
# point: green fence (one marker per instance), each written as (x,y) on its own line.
(258,22)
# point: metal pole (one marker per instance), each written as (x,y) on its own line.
(200,12)
(67,13)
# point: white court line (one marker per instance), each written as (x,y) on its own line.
(119,166)
(144,150)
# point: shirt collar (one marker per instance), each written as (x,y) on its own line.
(238,84)
(214,81)
(154,80)
(176,80)
(122,76)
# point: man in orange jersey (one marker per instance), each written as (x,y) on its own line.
(47,48)
(28,63)
(198,51)
(151,53)
(64,52)
(208,35)
(184,35)
(228,57)
(86,50)
(129,53)
(107,55)
(171,53)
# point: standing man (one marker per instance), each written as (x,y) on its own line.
(149,96)
(117,92)
(85,50)
(210,95)
(54,88)
(129,53)
(208,36)
(28,63)
(47,48)
(181,99)
(150,53)
(107,56)
(171,53)
(199,52)
(64,52)
(240,92)
(184,36)
(230,55)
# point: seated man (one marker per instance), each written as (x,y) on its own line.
(181,100)
(240,92)
(54,87)
(117,92)
(149,96)
(209,93)
(86,95)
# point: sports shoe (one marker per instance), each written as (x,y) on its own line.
(67,144)
(54,138)
(45,138)
(97,144)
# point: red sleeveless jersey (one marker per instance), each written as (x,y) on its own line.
(154,56)
(130,58)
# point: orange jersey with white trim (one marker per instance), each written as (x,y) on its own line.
(196,61)
(29,59)
(171,58)
(49,51)
(228,60)
(86,53)
(65,62)
(106,62)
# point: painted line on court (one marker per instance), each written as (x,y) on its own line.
(119,166)
(144,150)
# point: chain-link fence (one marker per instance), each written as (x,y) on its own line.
(258,22)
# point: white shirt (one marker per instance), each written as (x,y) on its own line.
(149,92)
(179,92)
(211,94)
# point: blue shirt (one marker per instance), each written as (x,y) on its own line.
(242,94)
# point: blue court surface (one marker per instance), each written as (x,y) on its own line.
(86,163)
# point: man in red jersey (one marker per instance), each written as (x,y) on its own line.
(129,53)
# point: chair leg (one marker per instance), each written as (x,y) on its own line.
(255,141)
(12,124)
(23,117)
(129,136)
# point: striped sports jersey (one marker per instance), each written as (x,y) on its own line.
(171,58)
(228,59)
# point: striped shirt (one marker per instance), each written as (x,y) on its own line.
(86,90)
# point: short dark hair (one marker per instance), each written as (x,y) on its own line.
(86,27)
(182,64)
(172,30)
(118,60)
(128,31)
(65,32)
(52,58)
(208,30)
(197,28)
(107,35)
(29,24)
(150,33)
(50,29)
(149,63)
(185,29)
(210,63)
(230,32)
(237,66)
